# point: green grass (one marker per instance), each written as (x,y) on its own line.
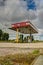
(36,51)
(13,41)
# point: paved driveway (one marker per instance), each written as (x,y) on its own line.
(39,61)
(22,45)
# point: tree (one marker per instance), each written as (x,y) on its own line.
(1,34)
(5,36)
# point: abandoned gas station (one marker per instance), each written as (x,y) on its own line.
(25,27)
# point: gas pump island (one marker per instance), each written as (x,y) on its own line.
(25,27)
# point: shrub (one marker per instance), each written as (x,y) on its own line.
(36,52)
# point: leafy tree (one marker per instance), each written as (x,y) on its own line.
(5,36)
(1,34)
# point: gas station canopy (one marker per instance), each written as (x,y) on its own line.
(25,27)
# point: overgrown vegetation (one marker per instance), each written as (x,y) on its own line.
(36,52)
(18,59)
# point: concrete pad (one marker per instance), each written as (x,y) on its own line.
(22,45)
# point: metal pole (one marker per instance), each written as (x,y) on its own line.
(30,36)
(17,36)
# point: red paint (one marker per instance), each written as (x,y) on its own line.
(21,24)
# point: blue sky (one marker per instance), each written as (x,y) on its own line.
(12,11)
(31,4)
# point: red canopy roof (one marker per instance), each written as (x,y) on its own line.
(24,27)
(21,24)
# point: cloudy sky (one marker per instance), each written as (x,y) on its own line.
(12,11)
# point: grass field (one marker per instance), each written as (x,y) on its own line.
(13,41)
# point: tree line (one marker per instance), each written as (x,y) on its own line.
(4,36)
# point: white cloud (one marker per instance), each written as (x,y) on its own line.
(16,10)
